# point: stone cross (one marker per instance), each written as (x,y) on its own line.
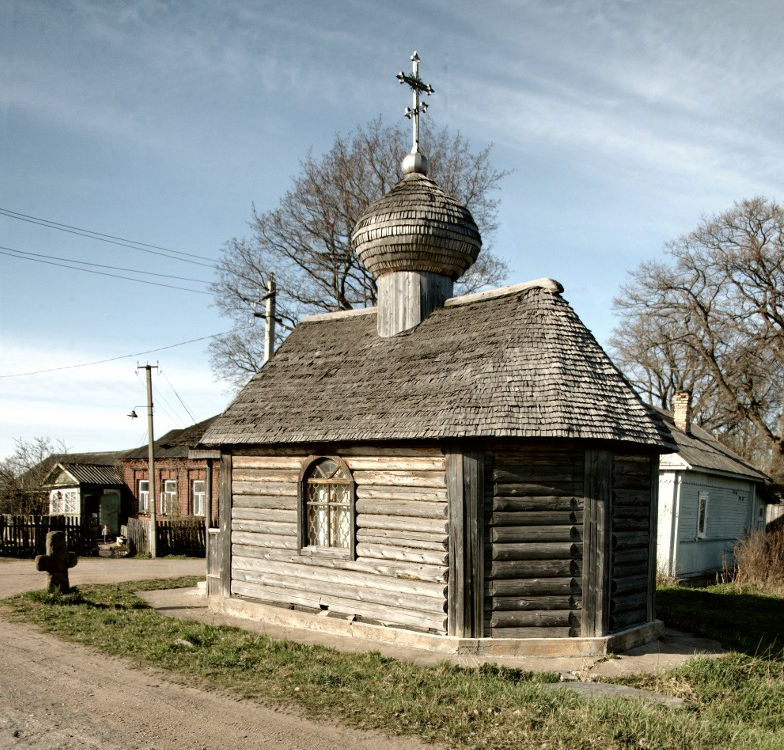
(416,86)
(56,562)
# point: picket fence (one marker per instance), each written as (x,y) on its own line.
(25,536)
(176,536)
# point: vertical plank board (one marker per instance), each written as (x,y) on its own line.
(653,535)
(224,513)
(473,492)
(597,529)
(456,585)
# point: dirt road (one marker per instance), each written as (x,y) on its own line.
(60,695)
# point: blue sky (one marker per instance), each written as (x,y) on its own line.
(623,122)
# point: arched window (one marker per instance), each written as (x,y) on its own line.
(327,505)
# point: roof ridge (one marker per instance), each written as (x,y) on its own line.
(550,285)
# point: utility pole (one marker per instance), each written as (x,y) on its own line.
(269,316)
(151,463)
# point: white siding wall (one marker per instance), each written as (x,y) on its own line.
(667,528)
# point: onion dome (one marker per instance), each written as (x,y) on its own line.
(416,226)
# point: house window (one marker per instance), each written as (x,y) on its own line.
(144,496)
(169,497)
(64,503)
(199,492)
(327,506)
(702,515)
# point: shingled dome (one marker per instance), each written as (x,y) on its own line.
(416,226)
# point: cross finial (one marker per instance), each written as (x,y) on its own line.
(417,85)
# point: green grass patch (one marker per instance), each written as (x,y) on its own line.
(739,617)
(488,707)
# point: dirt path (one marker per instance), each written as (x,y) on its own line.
(61,695)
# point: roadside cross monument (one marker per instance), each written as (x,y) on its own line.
(56,562)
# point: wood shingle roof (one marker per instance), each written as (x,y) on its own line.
(514,363)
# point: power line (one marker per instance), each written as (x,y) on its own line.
(178,395)
(114,359)
(16,254)
(111,239)
(102,265)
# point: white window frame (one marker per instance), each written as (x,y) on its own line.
(144,496)
(199,496)
(703,501)
(64,502)
(169,497)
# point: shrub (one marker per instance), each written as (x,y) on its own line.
(759,560)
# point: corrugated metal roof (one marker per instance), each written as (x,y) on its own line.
(514,364)
(175,443)
(88,473)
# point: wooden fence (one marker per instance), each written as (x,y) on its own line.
(25,536)
(178,536)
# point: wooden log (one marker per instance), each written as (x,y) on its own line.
(405,536)
(264,488)
(625,620)
(401,478)
(390,568)
(630,512)
(264,527)
(368,537)
(632,497)
(537,503)
(336,590)
(559,533)
(636,555)
(293,463)
(389,492)
(265,475)
(511,516)
(537,551)
(431,525)
(281,515)
(537,489)
(388,552)
(541,474)
(395,463)
(533,632)
(621,586)
(363,610)
(629,569)
(534,603)
(634,601)
(548,619)
(623,525)
(630,540)
(408,508)
(310,569)
(535,587)
(535,568)
(287,502)
(251,539)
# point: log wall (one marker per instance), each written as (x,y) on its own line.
(534,542)
(399,576)
(633,540)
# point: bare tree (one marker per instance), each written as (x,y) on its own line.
(23,472)
(712,320)
(306,241)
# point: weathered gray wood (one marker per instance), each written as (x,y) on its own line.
(357,577)
(632,497)
(597,523)
(405,536)
(535,587)
(280,515)
(403,508)
(264,475)
(265,488)
(535,568)
(430,525)
(535,603)
(406,298)
(389,492)
(265,527)
(539,489)
(287,502)
(638,555)
(268,462)
(543,473)
(224,518)
(636,601)
(278,541)
(630,539)
(466,486)
(533,632)
(621,586)
(401,478)
(550,619)
(653,532)
(537,551)
(625,620)
(389,552)
(368,537)
(333,590)
(537,503)
(392,463)
(560,533)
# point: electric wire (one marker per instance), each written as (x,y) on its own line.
(14,254)
(174,390)
(103,265)
(111,239)
(120,356)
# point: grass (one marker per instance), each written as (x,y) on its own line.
(733,702)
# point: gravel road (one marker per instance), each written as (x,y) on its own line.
(61,695)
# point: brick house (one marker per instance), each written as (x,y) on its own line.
(180,481)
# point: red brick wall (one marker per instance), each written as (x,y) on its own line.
(183,470)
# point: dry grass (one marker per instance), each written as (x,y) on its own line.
(759,560)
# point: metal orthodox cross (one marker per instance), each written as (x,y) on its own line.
(416,86)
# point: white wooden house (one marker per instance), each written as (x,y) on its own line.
(709,499)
